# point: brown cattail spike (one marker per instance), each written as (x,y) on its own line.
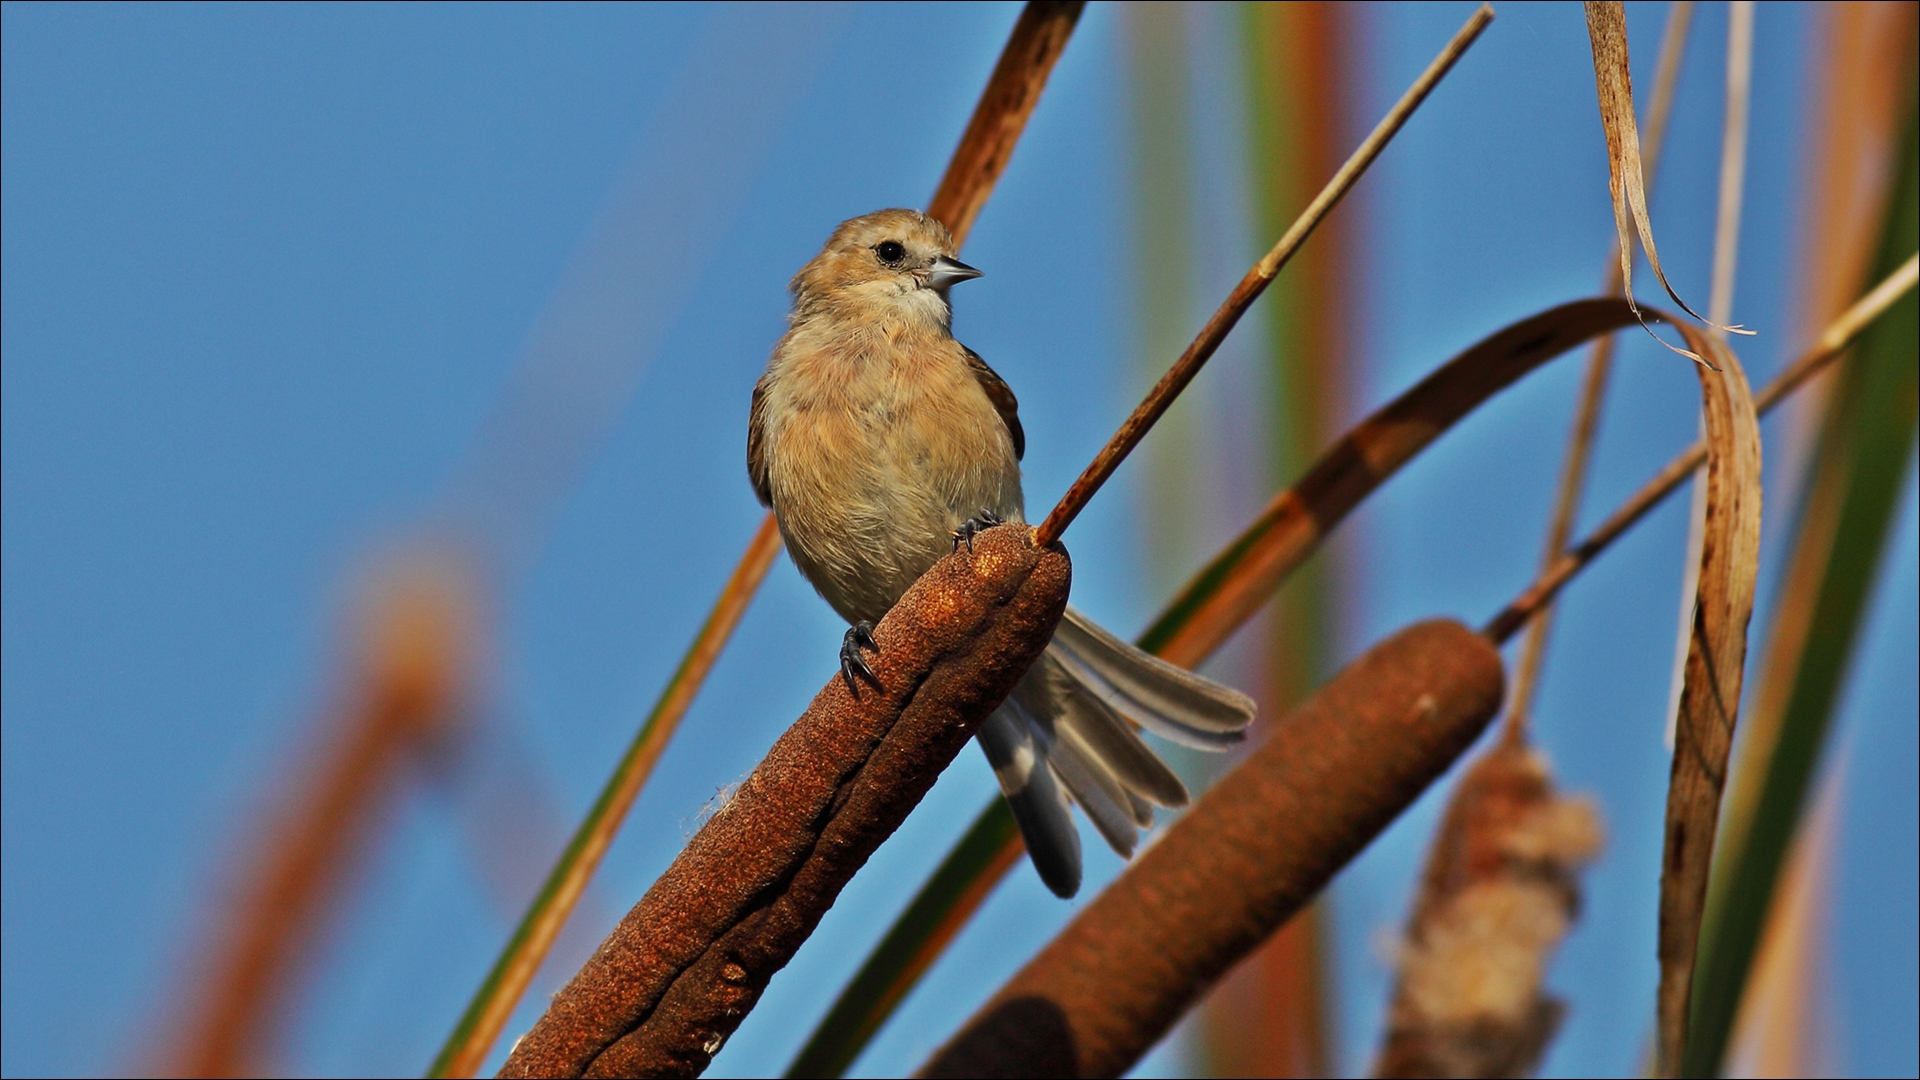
(681,971)
(1237,865)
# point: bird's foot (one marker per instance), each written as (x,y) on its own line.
(853,666)
(979,523)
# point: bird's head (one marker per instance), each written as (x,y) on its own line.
(887,264)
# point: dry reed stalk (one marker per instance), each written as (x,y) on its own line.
(684,967)
(412,680)
(1733,161)
(1012,92)
(1243,859)
(1222,322)
(986,146)
(1500,891)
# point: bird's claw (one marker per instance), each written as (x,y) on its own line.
(853,666)
(978,523)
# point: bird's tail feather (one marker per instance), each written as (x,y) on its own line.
(1071,724)
(1039,806)
(1164,698)
(1113,811)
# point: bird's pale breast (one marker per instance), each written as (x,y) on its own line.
(877,447)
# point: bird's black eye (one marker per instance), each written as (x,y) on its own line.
(890,251)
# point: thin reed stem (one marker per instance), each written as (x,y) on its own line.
(1253,284)
(1733,161)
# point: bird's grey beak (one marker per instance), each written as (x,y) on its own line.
(945,272)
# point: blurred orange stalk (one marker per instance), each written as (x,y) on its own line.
(413,681)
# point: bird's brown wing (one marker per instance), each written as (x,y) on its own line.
(757,445)
(1003,400)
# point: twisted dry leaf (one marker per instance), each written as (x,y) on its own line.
(1613,82)
(680,972)
(1710,701)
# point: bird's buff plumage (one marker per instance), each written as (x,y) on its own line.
(876,437)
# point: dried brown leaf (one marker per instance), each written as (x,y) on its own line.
(1710,701)
(1613,81)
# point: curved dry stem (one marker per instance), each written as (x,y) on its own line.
(1832,342)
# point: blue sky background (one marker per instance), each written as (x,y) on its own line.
(271,272)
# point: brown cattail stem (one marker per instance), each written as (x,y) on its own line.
(680,972)
(1012,92)
(1248,855)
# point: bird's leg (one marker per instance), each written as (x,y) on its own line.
(853,666)
(978,523)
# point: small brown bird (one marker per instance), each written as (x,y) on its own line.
(880,441)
